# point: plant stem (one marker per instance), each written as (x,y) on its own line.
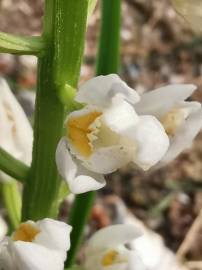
(12,166)
(64,31)
(109,44)
(78,217)
(107,62)
(12,201)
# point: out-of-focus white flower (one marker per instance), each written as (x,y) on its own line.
(106,251)
(16,134)
(182,120)
(150,246)
(107,134)
(191,10)
(3,228)
(36,246)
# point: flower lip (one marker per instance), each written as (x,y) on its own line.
(112,257)
(81,131)
(26,232)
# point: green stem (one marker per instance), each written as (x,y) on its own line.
(78,217)
(21,45)
(12,166)
(12,202)
(109,46)
(107,62)
(64,32)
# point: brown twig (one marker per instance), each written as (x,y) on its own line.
(190,237)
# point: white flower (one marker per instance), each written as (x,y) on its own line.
(16,134)
(106,251)
(182,120)
(3,228)
(107,134)
(36,246)
(191,10)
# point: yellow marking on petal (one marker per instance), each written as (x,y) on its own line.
(26,232)
(172,120)
(78,130)
(109,258)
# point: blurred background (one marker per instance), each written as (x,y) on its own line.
(157,48)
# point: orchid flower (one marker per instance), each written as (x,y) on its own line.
(182,120)
(191,10)
(16,132)
(106,251)
(36,246)
(107,134)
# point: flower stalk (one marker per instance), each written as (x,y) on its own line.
(107,62)
(64,31)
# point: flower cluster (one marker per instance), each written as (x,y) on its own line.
(43,245)
(117,126)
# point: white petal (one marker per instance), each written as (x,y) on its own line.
(100,90)
(65,164)
(151,139)
(3,228)
(135,262)
(19,135)
(113,236)
(30,256)
(160,101)
(6,260)
(54,235)
(120,116)
(184,137)
(86,180)
(108,159)
(79,179)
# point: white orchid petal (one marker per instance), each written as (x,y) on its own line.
(6,260)
(184,137)
(100,90)
(30,256)
(113,236)
(151,139)
(79,179)
(3,228)
(53,235)
(108,159)
(160,101)
(65,164)
(120,116)
(85,183)
(135,262)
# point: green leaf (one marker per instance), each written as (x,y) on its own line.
(12,166)
(21,45)
(12,201)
